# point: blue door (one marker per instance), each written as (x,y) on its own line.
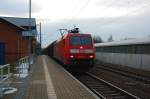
(2,53)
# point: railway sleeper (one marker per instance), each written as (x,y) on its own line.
(103,89)
(100,87)
(112,94)
(127,74)
(118,97)
(97,86)
(108,92)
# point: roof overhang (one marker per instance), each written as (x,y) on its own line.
(12,24)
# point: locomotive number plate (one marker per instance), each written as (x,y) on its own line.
(81,51)
(81,57)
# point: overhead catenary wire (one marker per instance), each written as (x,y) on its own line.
(80,9)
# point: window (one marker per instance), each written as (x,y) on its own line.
(131,49)
(86,40)
(76,40)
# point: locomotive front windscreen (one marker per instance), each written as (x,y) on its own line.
(77,40)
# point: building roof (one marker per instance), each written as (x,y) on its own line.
(13,24)
(20,21)
(125,42)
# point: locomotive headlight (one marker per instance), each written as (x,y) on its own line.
(71,56)
(74,50)
(91,56)
(88,51)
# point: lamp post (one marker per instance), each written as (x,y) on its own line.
(29,22)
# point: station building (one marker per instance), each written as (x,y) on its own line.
(14,35)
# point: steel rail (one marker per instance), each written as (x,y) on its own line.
(104,89)
(113,86)
(126,73)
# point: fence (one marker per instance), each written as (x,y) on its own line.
(23,67)
(25,72)
(5,76)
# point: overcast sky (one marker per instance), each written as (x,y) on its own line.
(119,18)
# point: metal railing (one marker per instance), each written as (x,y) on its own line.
(24,65)
(5,76)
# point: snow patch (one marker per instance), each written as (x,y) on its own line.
(9,90)
(21,75)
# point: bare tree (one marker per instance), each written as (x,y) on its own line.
(110,39)
(97,39)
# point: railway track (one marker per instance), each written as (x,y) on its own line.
(125,73)
(104,89)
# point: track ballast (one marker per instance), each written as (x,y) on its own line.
(104,89)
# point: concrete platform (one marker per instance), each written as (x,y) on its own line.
(50,81)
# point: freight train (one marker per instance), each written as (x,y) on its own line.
(76,51)
(133,53)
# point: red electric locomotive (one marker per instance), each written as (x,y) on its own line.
(75,50)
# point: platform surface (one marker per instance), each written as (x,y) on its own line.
(50,81)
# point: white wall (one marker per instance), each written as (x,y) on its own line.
(140,61)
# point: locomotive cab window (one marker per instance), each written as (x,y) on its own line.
(76,40)
(86,40)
